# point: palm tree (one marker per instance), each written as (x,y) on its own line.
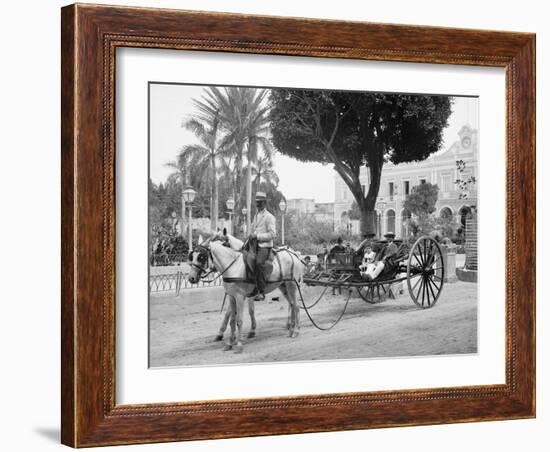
(263,172)
(257,128)
(209,157)
(224,104)
(181,175)
(243,114)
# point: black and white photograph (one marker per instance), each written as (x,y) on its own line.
(266,226)
(290,224)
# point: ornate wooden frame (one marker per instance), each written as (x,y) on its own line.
(90,35)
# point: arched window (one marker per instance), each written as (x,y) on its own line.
(390,221)
(446,213)
(465,212)
(345,221)
(405,220)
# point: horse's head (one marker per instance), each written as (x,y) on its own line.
(200,261)
(220,236)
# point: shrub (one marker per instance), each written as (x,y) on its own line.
(428,224)
(309,236)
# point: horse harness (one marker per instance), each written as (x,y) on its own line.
(205,250)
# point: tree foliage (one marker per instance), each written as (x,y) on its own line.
(350,130)
(442,226)
(422,199)
(464,183)
(243,116)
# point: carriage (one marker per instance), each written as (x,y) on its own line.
(421,265)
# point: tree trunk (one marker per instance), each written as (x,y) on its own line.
(237,186)
(367,203)
(214,211)
(368,221)
(211,208)
(367,207)
(183,177)
(249,182)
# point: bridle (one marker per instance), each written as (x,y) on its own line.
(202,249)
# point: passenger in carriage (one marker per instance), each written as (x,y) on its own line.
(383,261)
(338,248)
(348,248)
(368,239)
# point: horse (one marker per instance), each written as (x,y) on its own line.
(230,314)
(213,255)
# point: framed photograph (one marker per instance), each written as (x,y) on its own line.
(281,225)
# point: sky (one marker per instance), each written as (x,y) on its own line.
(171,105)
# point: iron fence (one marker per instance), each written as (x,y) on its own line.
(178,281)
(163,259)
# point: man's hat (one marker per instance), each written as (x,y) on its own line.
(369,235)
(389,235)
(260,196)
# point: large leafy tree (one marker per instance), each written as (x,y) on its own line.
(350,130)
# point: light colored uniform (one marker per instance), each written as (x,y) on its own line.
(264,228)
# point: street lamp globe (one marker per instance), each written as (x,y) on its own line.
(230,203)
(282,205)
(189,194)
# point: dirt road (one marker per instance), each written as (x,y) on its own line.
(182,329)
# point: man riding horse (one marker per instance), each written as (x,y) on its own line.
(263,232)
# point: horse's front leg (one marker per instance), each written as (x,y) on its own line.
(252,332)
(225,321)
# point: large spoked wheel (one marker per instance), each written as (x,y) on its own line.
(373,293)
(425,272)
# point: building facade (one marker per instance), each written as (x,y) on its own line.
(398,180)
(321,211)
(305,206)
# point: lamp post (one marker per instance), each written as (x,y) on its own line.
(230,204)
(174,221)
(282,207)
(188,196)
(244,211)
